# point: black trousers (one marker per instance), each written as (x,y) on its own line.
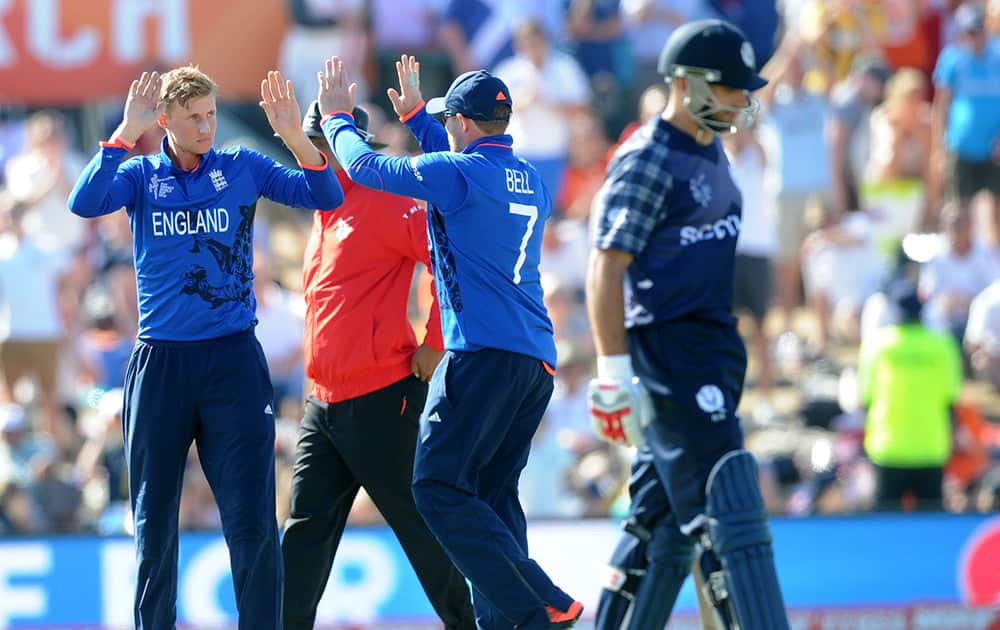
(925,484)
(366,441)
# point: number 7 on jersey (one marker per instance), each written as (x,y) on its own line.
(531,212)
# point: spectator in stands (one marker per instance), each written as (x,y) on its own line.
(280,332)
(565,248)
(847,133)
(840,33)
(967,113)
(758,19)
(411,28)
(114,269)
(31,328)
(596,39)
(900,129)
(595,30)
(756,247)
(909,377)
(957,273)
(19,513)
(101,462)
(841,269)
(649,23)
(549,88)
(569,320)
(480,33)
(652,101)
(588,160)
(982,335)
(41,178)
(319,28)
(792,130)
(561,437)
(900,149)
(103,350)
(905,43)
(22,451)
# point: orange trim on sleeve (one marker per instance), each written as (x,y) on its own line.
(413,112)
(321,167)
(340,111)
(548,368)
(117,143)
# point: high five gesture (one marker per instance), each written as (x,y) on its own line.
(277,99)
(408,97)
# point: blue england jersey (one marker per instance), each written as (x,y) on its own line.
(672,204)
(193,230)
(486,211)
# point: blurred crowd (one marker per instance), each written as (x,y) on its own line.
(875,160)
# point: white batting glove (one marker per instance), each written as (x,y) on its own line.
(613,402)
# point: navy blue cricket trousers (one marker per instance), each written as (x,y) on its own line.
(216,393)
(482,410)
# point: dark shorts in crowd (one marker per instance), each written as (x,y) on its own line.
(752,285)
(969,178)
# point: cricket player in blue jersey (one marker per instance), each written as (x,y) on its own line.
(197,372)
(486,209)
(659,293)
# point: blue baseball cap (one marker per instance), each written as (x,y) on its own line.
(474,95)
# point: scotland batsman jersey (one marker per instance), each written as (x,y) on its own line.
(487,210)
(193,231)
(671,203)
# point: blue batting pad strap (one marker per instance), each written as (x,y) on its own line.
(739,535)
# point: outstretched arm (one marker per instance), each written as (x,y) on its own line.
(432,177)
(106,185)
(285,117)
(408,103)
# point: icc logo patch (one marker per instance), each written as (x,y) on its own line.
(711,400)
(160,187)
(700,190)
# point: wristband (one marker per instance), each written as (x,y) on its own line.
(615,366)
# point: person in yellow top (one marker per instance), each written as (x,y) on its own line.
(909,377)
(838,33)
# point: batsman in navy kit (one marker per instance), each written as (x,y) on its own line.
(486,209)
(670,360)
(197,373)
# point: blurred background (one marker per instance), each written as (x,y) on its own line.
(875,160)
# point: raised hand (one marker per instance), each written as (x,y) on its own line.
(335,94)
(278,102)
(408,97)
(142,107)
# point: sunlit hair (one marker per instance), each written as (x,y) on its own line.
(180,85)
(904,82)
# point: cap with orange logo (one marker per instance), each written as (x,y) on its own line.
(475,95)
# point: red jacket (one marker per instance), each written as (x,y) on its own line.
(357,275)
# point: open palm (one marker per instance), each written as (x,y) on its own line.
(279,105)
(142,107)
(408,97)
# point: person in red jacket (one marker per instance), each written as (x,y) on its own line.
(369,387)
